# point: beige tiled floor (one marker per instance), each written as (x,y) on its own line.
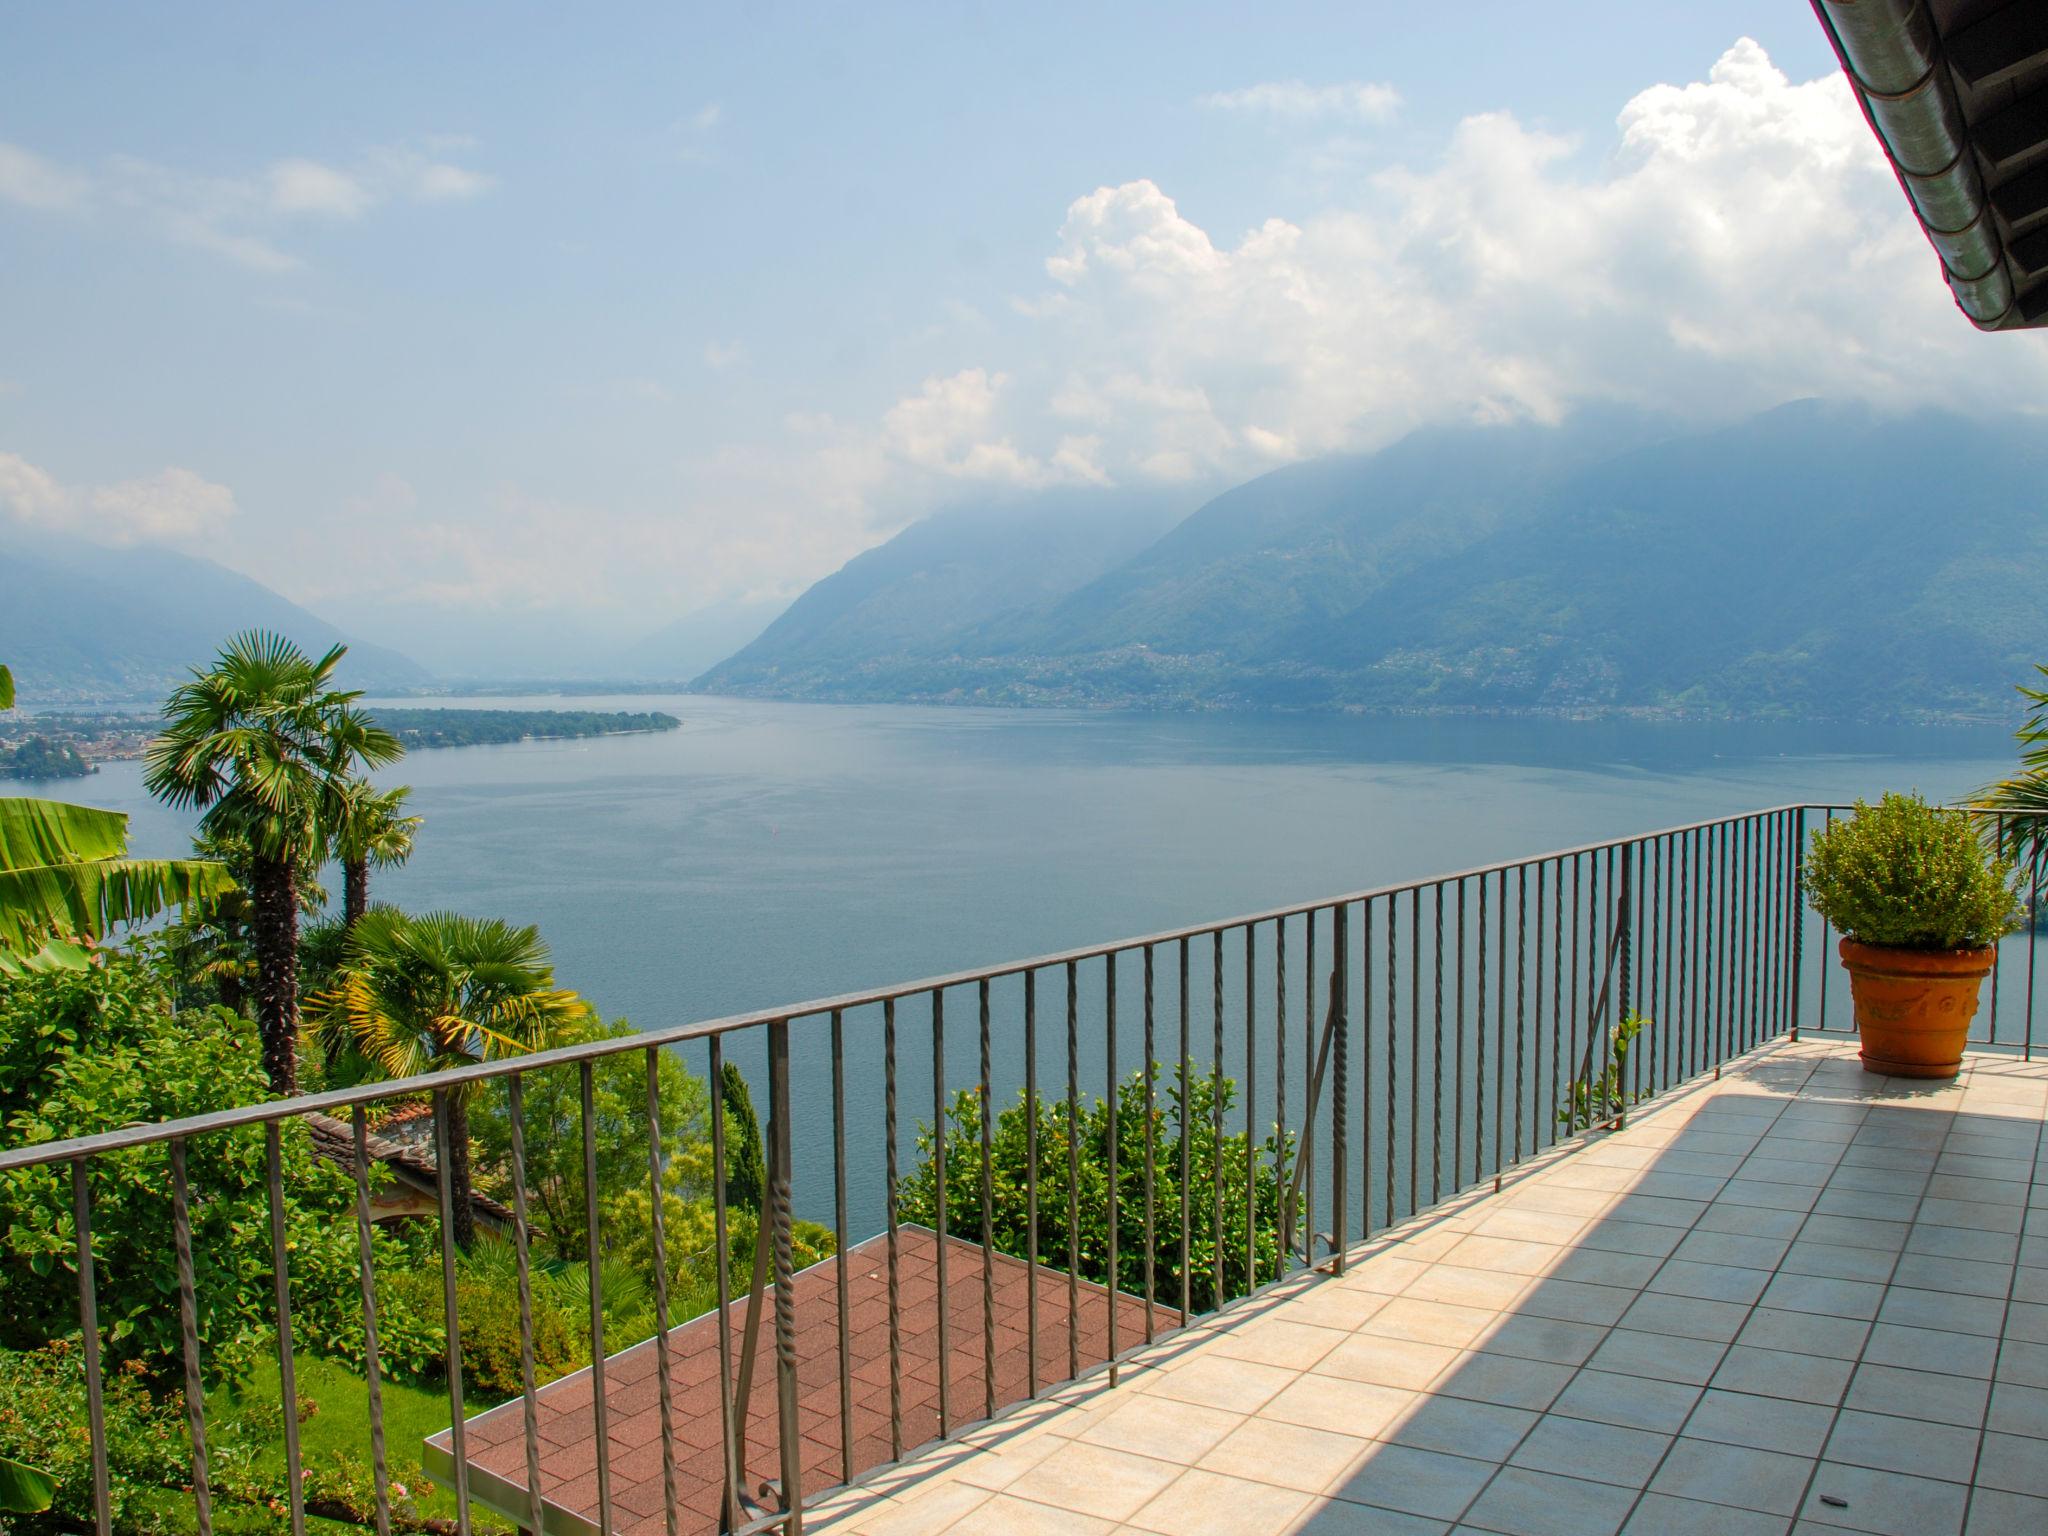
(1799,1299)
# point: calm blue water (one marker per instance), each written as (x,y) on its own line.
(768,853)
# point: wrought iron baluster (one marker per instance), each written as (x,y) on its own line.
(373,1371)
(529,1406)
(839,1276)
(988,1217)
(188,1335)
(892,1215)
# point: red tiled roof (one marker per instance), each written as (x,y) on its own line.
(496,1448)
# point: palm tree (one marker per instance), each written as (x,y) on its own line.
(264,743)
(430,993)
(369,827)
(2021,801)
(65,875)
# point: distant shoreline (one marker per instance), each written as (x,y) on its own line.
(105,738)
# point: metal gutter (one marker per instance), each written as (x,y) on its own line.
(1892,54)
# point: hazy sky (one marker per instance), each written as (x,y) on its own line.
(461,321)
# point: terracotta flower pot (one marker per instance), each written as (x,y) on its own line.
(1914,1006)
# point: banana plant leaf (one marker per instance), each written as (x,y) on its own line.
(24,1490)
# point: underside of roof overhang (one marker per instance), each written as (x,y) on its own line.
(1957,93)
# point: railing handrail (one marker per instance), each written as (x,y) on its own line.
(42,1154)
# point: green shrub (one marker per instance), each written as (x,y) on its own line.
(1208,1160)
(149,1455)
(1909,875)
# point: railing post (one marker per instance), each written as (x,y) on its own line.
(785,1280)
(1624,906)
(1798,916)
(1340,1092)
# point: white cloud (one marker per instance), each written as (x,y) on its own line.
(173,505)
(306,186)
(720,355)
(33,182)
(247,217)
(1742,243)
(1297,101)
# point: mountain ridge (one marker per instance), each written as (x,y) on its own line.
(87,623)
(1817,560)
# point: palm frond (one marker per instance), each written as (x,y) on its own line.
(85,900)
(42,832)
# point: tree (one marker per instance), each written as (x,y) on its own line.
(2021,801)
(1210,1162)
(551,1117)
(265,745)
(746,1173)
(369,827)
(429,993)
(65,875)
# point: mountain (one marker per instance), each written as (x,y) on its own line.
(83,623)
(896,610)
(1815,561)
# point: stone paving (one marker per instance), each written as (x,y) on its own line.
(1801,1298)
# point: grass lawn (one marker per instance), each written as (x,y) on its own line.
(340,1426)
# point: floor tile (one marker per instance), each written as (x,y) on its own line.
(1005,1515)
(1094,1480)
(1914,1446)
(1658,1514)
(1277,1341)
(1428,1322)
(1887,1503)
(1731,1474)
(1606,1453)
(1666,1359)
(1331,1402)
(1526,1503)
(1574,1301)
(1417,1482)
(1710,1282)
(1462,1427)
(2018,1410)
(1340,1517)
(1997,1513)
(1732,1248)
(1931,1349)
(1830,1298)
(1959,1277)
(1839,1261)
(1919,1394)
(1761,1423)
(1216,1505)
(1389,1362)
(1543,1338)
(1293,1455)
(2016,1463)
(2024,1363)
(1804,1333)
(1157,1426)
(1982,1315)
(1505,1379)
(1686,1317)
(1632,1401)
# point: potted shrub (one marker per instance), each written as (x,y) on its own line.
(1920,903)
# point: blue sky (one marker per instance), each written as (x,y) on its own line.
(444,320)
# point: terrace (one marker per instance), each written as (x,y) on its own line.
(1541,1197)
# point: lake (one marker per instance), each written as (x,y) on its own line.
(768,853)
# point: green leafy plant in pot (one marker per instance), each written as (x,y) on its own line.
(1920,903)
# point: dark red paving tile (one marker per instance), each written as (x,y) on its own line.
(496,1442)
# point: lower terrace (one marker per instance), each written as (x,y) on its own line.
(1799,1297)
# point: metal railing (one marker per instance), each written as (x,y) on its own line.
(1367,1056)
